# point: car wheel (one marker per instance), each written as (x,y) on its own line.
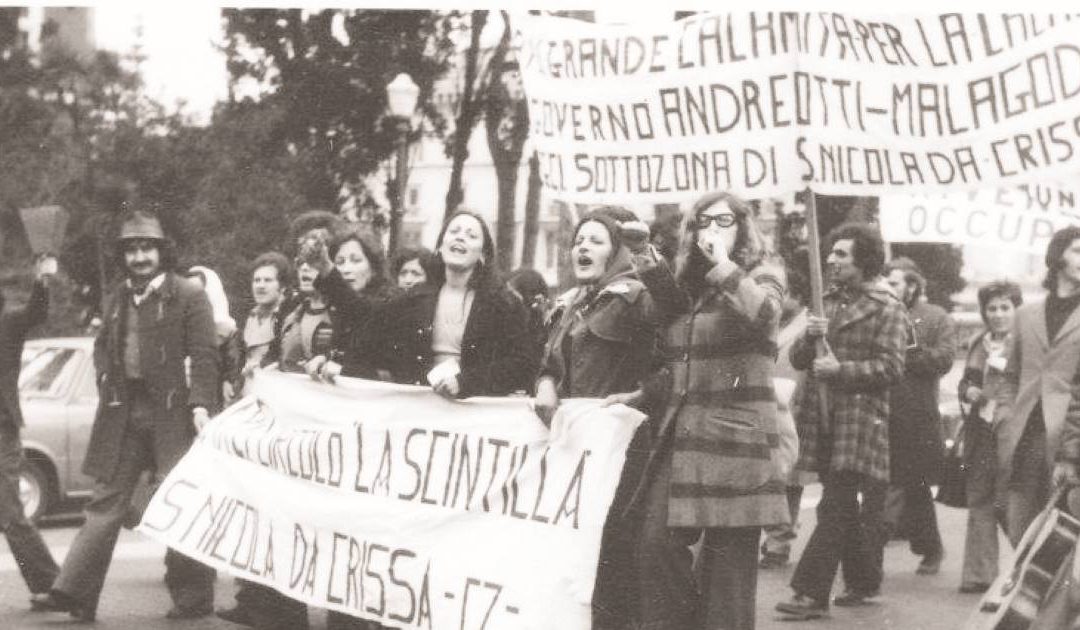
(34,490)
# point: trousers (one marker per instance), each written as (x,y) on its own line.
(910,511)
(190,583)
(1028,485)
(28,548)
(850,532)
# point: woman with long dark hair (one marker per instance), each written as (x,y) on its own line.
(352,279)
(462,331)
(715,472)
(604,341)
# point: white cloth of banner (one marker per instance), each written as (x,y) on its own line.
(766,103)
(390,503)
(1020,218)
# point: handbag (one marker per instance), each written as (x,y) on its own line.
(953,489)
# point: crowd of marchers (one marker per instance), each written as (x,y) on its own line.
(745,393)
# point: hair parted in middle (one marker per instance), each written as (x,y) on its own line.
(485,274)
(748,252)
(370,245)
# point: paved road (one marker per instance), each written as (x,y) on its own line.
(135,597)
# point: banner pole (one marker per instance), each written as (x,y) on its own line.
(817,295)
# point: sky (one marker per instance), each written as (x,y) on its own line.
(180,39)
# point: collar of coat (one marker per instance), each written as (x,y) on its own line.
(155,285)
(871,290)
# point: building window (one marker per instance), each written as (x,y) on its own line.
(551,248)
(414,196)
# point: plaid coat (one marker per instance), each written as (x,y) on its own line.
(726,463)
(868,333)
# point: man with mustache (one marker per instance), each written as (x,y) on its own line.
(864,332)
(148,414)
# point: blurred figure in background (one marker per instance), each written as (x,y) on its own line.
(271,276)
(984,372)
(228,339)
(411,266)
(916,434)
(529,286)
(27,547)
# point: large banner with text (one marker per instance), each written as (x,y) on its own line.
(1017,218)
(767,103)
(390,503)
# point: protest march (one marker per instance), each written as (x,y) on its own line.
(501,320)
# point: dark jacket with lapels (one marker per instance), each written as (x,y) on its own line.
(606,340)
(498,356)
(175,322)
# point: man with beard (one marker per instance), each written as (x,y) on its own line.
(863,332)
(147,416)
(27,547)
(916,436)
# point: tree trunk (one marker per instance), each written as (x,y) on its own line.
(506,123)
(468,112)
(531,231)
(506,224)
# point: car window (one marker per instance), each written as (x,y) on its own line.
(41,368)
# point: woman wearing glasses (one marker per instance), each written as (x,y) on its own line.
(716,475)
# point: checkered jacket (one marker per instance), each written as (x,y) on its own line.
(868,333)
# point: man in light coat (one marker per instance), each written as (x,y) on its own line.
(147,416)
(1034,398)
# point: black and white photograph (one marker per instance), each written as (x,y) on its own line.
(584,317)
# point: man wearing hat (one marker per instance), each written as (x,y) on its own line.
(35,562)
(149,413)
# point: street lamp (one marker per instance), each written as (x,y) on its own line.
(401,95)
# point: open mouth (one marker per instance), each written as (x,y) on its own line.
(458,248)
(584,260)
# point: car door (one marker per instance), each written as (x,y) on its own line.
(44,387)
(81,407)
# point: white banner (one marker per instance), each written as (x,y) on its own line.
(390,503)
(767,103)
(1021,218)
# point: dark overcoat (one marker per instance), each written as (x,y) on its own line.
(174,323)
(14,325)
(498,355)
(916,435)
(868,333)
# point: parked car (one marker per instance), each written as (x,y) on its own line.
(59,398)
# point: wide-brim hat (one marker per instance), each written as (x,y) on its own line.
(143,226)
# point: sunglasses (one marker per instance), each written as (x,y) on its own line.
(722,220)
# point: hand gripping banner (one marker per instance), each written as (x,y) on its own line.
(390,503)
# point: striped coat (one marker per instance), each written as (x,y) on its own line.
(868,333)
(726,462)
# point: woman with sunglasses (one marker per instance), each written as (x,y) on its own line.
(715,475)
